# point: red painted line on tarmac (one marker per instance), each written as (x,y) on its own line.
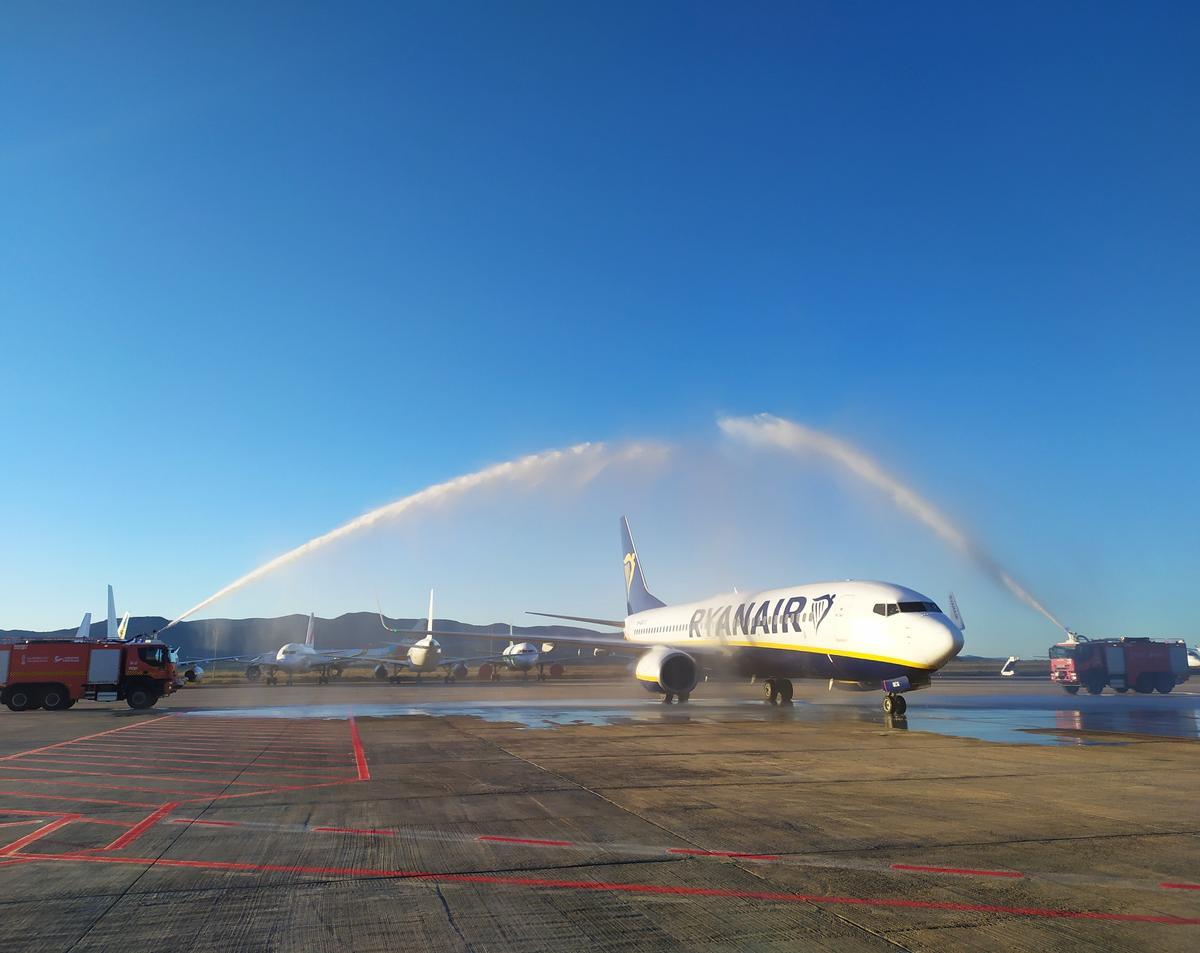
(41,832)
(83,800)
(366,831)
(111,731)
(966,871)
(634,888)
(525,840)
(251,761)
(1171,886)
(240,765)
(141,827)
(720,853)
(360,758)
(271,790)
(135,777)
(196,820)
(100,787)
(30,820)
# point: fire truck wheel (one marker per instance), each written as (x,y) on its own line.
(1144,684)
(20,699)
(1164,682)
(1095,688)
(1071,689)
(55,698)
(1122,690)
(140,697)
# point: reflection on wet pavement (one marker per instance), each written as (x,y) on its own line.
(1011,718)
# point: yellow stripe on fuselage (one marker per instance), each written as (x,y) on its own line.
(811,649)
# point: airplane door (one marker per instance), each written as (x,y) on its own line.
(843,615)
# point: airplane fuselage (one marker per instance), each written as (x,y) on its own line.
(850,630)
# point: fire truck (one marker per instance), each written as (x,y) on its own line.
(55,674)
(1145,665)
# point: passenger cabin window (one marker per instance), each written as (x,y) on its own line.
(153,655)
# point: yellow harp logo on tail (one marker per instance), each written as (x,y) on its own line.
(630,565)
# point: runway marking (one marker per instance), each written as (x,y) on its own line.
(141,827)
(60,744)
(693,852)
(202,822)
(966,871)
(495,838)
(359,831)
(616,887)
(1170,886)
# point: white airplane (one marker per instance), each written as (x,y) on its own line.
(297,658)
(858,635)
(426,654)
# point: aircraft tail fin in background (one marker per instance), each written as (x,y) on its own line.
(85,628)
(123,628)
(637,596)
(112,616)
(955,615)
(308,637)
(429,622)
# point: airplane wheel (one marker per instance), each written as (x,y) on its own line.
(1071,689)
(894,704)
(785,691)
(771,692)
(668,697)
(1120,691)
(683,698)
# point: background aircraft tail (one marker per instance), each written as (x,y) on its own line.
(85,628)
(111,634)
(308,638)
(637,596)
(429,621)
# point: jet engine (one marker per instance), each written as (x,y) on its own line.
(253,673)
(193,673)
(666,670)
(381,672)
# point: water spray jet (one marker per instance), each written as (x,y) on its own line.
(771,431)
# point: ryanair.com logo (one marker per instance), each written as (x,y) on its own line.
(630,566)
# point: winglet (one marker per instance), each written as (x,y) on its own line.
(955,615)
(85,628)
(382,620)
(308,638)
(112,616)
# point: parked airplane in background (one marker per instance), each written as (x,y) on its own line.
(296,658)
(859,635)
(426,655)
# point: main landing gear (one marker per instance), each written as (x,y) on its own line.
(669,697)
(777,691)
(894,704)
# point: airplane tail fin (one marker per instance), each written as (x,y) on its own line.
(308,637)
(123,627)
(112,616)
(429,620)
(85,628)
(637,596)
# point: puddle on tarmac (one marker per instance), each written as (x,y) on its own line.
(1034,720)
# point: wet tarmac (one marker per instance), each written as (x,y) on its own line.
(987,709)
(580,815)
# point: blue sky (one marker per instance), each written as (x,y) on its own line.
(267,266)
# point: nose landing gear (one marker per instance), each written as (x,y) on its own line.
(894,704)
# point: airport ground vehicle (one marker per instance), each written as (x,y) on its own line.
(55,673)
(1145,665)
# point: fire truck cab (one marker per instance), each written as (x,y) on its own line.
(54,674)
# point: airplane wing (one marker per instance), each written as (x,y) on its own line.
(615,623)
(603,639)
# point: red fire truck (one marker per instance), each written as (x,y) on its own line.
(55,674)
(1145,665)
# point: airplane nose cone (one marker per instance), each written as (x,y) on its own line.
(945,641)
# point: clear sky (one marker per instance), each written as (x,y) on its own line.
(265,266)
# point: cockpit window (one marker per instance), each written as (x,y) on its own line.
(919,607)
(889,608)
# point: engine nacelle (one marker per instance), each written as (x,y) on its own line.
(665,669)
(381,672)
(193,673)
(253,673)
